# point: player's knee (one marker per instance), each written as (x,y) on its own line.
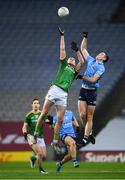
(83,116)
(90,117)
(40,154)
(60,120)
(44,156)
(73,144)
(69,156)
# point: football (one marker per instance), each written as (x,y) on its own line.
(63,11)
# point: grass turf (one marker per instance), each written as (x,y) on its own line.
(22,170)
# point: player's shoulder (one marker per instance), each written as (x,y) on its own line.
(101,66)
(64,61)
(32,113)
(29,113)
(90,58)
(39,112)
(101,69)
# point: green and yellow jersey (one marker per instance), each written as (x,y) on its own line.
(65,75)
(31,119)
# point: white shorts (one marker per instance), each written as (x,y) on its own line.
(31,140)
(41,142)
(57,95)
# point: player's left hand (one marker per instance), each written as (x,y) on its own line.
(25,135)
(49,119)
(61,31)
(85,34)
(77,130)
(35,135)
(79,77)
(74,46)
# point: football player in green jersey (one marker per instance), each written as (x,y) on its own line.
(38,146)
(60,86)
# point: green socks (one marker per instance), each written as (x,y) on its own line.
(56,136)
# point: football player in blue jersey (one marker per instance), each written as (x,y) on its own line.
(67,135)
(88,92)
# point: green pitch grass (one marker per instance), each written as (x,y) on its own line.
(20,170)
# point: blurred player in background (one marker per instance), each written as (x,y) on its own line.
(88,93)
(38,146)
(67,135)
(58,92)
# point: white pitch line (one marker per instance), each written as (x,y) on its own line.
(70,179)
(83,171)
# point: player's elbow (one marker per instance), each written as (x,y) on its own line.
(81,63)
(82,48)
(83,52)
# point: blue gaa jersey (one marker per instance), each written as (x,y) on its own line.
(93,67)
(67,125)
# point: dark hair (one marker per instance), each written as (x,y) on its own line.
(107,57)
(35,99)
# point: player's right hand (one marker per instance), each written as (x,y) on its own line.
(31,139)
(25,135)
(49,119)
(79,76)
(35,135)
(61,31)
(77,130)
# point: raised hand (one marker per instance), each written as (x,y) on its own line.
(85,34)
(61,31)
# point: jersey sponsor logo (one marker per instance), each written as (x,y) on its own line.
(35,117)
(70,68)
(35,120)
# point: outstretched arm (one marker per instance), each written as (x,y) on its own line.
(92,79)
(84,45)
(79,56)
(62,45)
(81,61)
(39,123)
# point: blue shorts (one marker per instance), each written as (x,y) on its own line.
(64,136)
(88,95)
